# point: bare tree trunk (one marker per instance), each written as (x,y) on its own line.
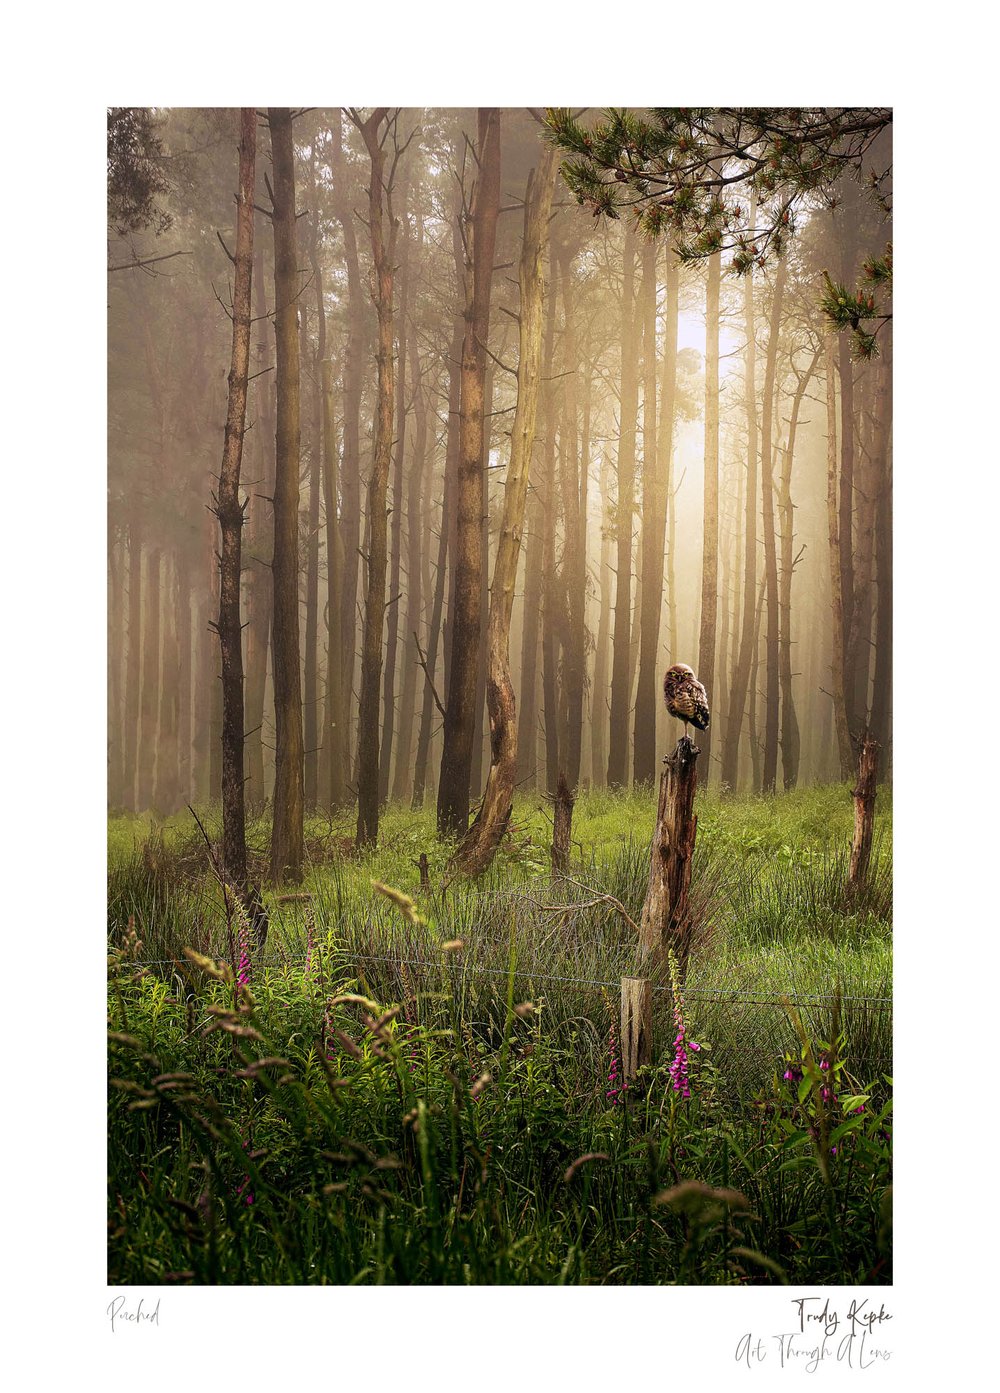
(165,790)
(654,526)
(383,262)
(838,694)
(618,744)
(460,706)
(772,697)
(479,734)
(562,827)
(394,608)
(184,689)
(287,845)
(665,441)
(414,591)
(133,668)
(574,566)
(336,717)
(864,814)
(741,676)
(789,721)
(483,837)
(261,540)
(150,682)
(310,704)
(538,566)
(354,367)
(230,511)
(710,524)
(116,649)
(445,543)
(882,686)
(599,690)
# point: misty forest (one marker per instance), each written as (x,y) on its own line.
(499,695)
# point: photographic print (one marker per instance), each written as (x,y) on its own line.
(500,748)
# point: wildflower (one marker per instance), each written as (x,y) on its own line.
(678,1070)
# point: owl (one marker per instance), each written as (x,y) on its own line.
(686,698)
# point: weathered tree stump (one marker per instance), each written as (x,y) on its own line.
(864,814)
(424,867)
(636,1025)
(666,915)
(562,826)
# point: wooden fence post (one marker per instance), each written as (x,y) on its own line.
(864,814)
(637,1025)
(666,915)
(562,826)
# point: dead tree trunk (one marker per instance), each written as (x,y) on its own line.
(483,837)
(562,827)
(230,512)
(666,913)
(287,848)
(864,814)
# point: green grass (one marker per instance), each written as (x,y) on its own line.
(477,1193)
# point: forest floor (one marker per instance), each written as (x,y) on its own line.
(437,1144)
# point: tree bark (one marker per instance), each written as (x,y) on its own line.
(150,682)
(598,692)
(402,777)
(772,692)
(394,608)
(460,706)
(864,814)
(666,913)
(261,541)
(310,689)
(654,526)
(562,827)
(230,512)
(479,845)
(710,522)
(574,567)
(790,745)
(882,686)
(838,695)
(287,841)
(133,667)
(629,403)
(350,473)
(741,675)
(383,263)
(334,740)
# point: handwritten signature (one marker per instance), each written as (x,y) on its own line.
(117,1313)
(822,1334)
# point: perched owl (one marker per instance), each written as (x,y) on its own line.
(686,698)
